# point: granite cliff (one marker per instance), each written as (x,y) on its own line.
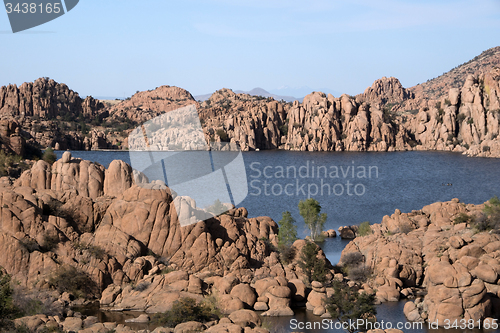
(458,111)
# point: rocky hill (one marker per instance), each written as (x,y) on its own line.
(385,117)
(48,113)
(146,105)
(456,112)
(455,78)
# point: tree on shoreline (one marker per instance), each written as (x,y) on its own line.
(348,305)
(287,233)
(310,211)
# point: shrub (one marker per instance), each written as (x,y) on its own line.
(284,129)
(7,161)
(287,253)
(51,330)
(55,207)
(49,156)
(211,301)
(167,270)
(30,244)
(184,310)
(486,148)
(142,286)
(462,218)
(29,306)
(354,266)
(481,223)
(359,273)
(94,250)
(405,228)
(270,246)
(492,212)
(7,308)
(50,242)
(71,280)
(223,135)
(364,229)
(23,328)
(388,116)
(489,220)
(353,259)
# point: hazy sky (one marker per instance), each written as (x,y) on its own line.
(116,47)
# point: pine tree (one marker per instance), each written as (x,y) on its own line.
(313,267)
(288,230)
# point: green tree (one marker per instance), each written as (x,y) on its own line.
(74,281)
(287,233)
(49,156)
(313,267)
(347,305)
(7,308)
(217,208)
(310,211)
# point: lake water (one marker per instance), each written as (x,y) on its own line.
(352,188)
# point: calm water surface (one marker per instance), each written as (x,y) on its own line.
(380,183)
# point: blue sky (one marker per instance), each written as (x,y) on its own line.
(116,47)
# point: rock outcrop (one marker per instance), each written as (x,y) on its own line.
(11,140)
(146,105)
(458,267)
(86,207)
(385,117)
(47,113)
(320,123)
(239,321)
(126,241)
(463,117)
